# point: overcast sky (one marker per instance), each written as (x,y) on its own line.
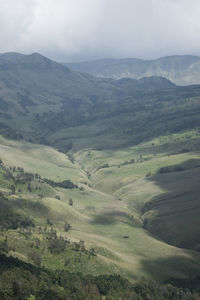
(78,30)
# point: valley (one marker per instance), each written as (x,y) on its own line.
(121,207)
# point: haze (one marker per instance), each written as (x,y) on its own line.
(79,30)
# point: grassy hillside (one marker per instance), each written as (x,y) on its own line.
(182,70)
(109,209)
(158,181)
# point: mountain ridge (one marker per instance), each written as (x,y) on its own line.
(180,69)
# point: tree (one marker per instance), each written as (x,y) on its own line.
(36,257)
(4,246)
(82,245)
(92,252)
(76,246)
(57,245)
(29,187)
(49,222)
(67,227)
(71,157)
(12,190)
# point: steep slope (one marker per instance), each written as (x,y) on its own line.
(182,70)
(174,215)
(33,86)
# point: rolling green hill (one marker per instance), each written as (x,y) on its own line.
(182,70)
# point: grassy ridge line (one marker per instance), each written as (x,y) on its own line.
(40,159)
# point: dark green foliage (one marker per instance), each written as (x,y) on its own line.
(14,221)
(132,161)
(8,175)
(19,280)
(191,284)
(50,293)
(23,178)
(103,166)
(56,244)
(37,176)
(92,252)
(29,187)
(49,222)
(155,291)
(17,175)
(4,247)
(70,202)
(71,157)
(67,227)
(79,246)
(107,283)
(148,174)
(66,184)
(10,219)
(170,169)
(12,189)
(191,164)
(76,246)
(35,257)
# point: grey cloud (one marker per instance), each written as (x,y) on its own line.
(88,29)
(15,19)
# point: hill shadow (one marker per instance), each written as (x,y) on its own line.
(113,217)
(10,216)
(173,215)
(172,267)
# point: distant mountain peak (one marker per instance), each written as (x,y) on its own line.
(157,80)
(34,60)
(38,56)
